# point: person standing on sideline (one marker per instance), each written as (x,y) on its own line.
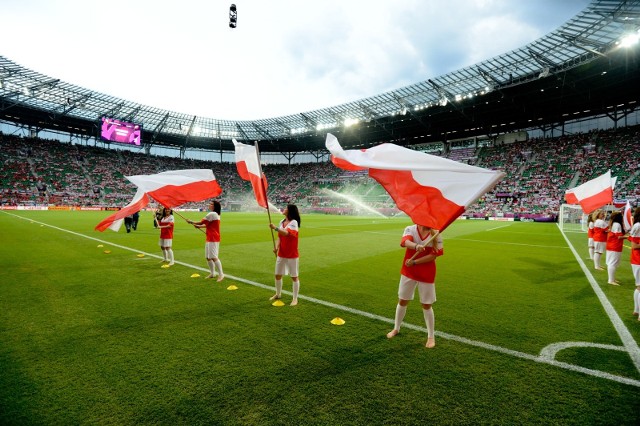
(419,272)
(212,245)
(287,260)
(599,238)
(590,221)
(615,239)
(136,218)
(166,235)
(128,222)
(634,237)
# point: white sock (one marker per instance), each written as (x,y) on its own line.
(170,253)
(296,289)
(278,287)
(636,300)
(430,321)
(218,265)
(596,259)
(400,312)
(164,255)
(212,266)
(591,253)
(611,270)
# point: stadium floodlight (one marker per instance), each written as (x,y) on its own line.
(233,16)
(630,40)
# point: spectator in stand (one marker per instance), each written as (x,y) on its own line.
(615,238)
(286,249)
(212,245)
(634,237)
(166,235)
(599,238)
(423,245)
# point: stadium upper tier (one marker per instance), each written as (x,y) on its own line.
(584,68)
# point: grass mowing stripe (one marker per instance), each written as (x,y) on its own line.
(627,340)
(543,358)
(496,227)
(506,243)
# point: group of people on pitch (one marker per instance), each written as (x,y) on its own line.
(608,238)
(423,245)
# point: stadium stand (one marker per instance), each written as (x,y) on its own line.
(538,171)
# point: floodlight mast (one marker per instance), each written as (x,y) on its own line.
(233,16)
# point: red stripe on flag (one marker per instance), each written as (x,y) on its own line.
(122,213)
(175,195)
(426,205)
(570,198)
(345,165)
(259,185)
(597,200)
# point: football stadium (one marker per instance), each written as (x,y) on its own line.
(518,176)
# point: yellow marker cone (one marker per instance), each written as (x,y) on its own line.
(140,255)
(278,303)
(232,287)
(164,266)
(195,275)
(107,251)
(337,321)
(100,245)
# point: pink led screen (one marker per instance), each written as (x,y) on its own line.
(120,131)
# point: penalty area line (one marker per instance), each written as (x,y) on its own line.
(541,359)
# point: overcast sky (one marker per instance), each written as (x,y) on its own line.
(284,57)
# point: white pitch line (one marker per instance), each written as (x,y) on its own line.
(627,339)
(497,227)
(522,355)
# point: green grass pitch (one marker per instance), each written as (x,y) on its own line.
(94,338)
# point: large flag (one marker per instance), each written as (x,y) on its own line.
(593,194)
(627,217)
(432,190)
(248,165)
(171,189)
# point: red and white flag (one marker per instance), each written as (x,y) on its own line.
(248,165)
(593,194)
(171,189)
(432,190)
(627,217)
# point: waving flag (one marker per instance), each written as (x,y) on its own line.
(593,194)
(627,217)
(432,190)
(171,189)
(248,165)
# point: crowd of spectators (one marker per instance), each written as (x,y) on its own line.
(538,171)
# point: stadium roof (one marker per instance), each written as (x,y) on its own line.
(581,69)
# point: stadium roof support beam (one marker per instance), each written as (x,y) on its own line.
(490,79)
(309,121)
(159,128)
(371,116)
(33,88)
(116,109)
(540,59)
(580,43)
(188,135)
(132,114)
(72,105)
(242,132)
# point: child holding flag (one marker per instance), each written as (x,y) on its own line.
(423,245)
(286,248)
(634,237)
(212,245)
(615,238)
(166,235)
